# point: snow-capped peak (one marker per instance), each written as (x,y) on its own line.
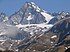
(32,13)
(47,16)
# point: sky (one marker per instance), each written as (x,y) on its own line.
(11,6)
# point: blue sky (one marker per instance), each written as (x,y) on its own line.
(11,6)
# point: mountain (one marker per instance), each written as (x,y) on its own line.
(30,13)
(32,25)
(16,26)
(30,19)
